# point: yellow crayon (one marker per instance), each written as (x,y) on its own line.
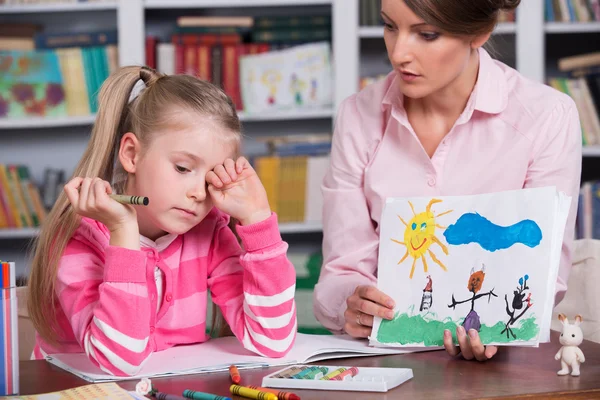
(134,200)
(251,393)
(332,374)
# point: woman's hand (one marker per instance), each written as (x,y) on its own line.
(236,190)
(469,347)
(365,303)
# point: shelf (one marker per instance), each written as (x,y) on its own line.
(283,115)
(41,122)
(377,31)
(301,227)
(591,151)
(572,27)
(155,4)
(59,7)
(30,233)
(18,233)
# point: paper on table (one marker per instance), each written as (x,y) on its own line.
(202,357)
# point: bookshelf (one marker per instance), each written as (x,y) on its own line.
(528,35)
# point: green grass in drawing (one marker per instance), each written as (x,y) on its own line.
(405,329)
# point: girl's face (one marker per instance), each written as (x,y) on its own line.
(171,173)
(426,59)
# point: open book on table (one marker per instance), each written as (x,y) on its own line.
(218,354)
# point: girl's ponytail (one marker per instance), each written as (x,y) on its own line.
(62,221)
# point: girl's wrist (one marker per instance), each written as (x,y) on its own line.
(125,235)
(256,217)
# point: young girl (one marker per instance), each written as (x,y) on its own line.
(119,281)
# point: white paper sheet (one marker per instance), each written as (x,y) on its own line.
(473,256)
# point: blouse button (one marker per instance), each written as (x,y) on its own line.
(169,297)
(431,182)
(151,329)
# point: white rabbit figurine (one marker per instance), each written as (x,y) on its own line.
(570,338)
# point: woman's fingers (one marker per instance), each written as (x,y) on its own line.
(477,348)
(375,295)
(368,307)
(449,344)
(490,351)
(463,342)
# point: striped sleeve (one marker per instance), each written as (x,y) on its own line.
(104,295)
(255,289)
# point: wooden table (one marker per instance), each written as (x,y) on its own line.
(513,373)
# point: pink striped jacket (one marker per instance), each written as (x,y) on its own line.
(109,305)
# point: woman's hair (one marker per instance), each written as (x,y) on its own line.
(461,17)
(151,111)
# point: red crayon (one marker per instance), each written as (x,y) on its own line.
(235,375)
(280,395)
(350,371)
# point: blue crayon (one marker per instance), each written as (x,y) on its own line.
(192,394)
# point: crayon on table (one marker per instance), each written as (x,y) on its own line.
(349,372)
(194,395)
(235,375)
(251,393)
(166,396)
(332,374)
(319,372)
(310,373)
(281,395)
(289,372)
(134,200)
(300,374)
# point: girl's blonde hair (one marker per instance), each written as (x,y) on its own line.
(150,112)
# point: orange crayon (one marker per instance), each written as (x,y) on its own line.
(280,394)
(235,375)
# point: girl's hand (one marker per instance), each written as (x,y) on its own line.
(236,190)
(89,197)
(365,303)
(470,347)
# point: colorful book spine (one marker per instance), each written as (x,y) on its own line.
(9,337)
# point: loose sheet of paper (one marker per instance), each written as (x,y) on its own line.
(488,262)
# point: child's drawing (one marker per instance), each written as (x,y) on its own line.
(517,304)
(419,235)
(471,321)
(487,241)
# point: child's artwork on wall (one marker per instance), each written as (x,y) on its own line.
(487,262)
(297,77)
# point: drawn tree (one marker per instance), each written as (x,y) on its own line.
(517,304)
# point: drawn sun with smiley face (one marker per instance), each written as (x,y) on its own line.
(419,235)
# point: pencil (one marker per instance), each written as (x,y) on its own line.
(134,200)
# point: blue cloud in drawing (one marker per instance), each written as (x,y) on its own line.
(473,228)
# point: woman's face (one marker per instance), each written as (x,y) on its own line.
(426,59)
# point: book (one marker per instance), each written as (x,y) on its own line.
(218,354)
(100,391)
(9,330)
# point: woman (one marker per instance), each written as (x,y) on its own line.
(449,120)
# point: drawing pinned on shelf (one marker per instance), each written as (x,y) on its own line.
(292,78)
(493,239)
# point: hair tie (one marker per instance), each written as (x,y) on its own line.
(137,89)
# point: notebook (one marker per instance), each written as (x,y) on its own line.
(102,391)
(218,354)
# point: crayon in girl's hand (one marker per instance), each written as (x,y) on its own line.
(235,375)
(280,394)
(251,393)
(133,200)
(192,394)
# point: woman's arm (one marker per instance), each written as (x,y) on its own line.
(350,242)
(556,161)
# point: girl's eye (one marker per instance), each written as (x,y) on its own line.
(181,169)
(387,26)
(429,36)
